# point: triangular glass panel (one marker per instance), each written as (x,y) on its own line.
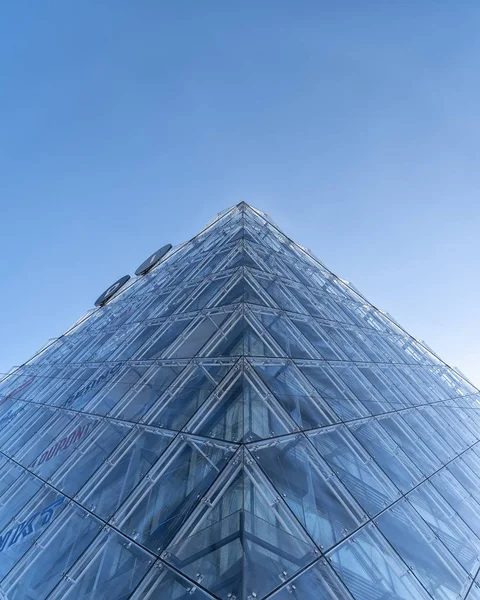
(188,392)
(19,487)
(241,336)
(243,256)
(276,289)
(165,498)
(212,287)
(241,409)
(125,468)
(190,343)
(360,474)
(313,491)
(333,389)
(370,568)
(74,469)
(43,566)
(110,568)
(242,288)
(253,415)
(387,454)
(447,526)
(146,391)
(28,524)
(304,405)
(429,559)
(280,328)
(242,541)
(120,382)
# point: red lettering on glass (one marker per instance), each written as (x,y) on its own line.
(16,390)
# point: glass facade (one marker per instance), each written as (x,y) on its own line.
(239,424)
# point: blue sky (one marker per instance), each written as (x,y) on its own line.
(126,125)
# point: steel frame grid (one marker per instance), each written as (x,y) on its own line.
(402,377)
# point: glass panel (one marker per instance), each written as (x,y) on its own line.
(186,395)
(106,345)
(17,495)
(143,395)
(474,593)
(283,297)
(162,583)
(29,429)
(371,570)
(311,489)
(447,525)
(246,289)
(15,387)
(113,391)
(157,344)
(9,473)
(128,347)
(292,342)
(316,583)
(159,506)
(240,409)
(384,386)
(334,391)
(387,453)
(459,498)
(204,293)
(42,567)
(84,461)
(67,442)
(117,477)
(469,418)
(450,428)
(410,443)
(195,338)
(320,339)
(150,307)
(429,435)
(240,338)
(356,468)
(346,341)
(466,469)
(110,568)
(424,553)
(14,414)
(28,525)
(3,461)
(241,539)
(363,390)
(308,302)
(295,394)
(49,433)
(92,386)
(65,386)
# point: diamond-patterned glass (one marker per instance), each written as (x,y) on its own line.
(240,424)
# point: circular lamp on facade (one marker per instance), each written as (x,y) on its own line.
(153,259)
(111,291)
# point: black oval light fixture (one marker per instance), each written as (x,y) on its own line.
(153,259)
(111,291)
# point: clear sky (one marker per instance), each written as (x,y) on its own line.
(355,125)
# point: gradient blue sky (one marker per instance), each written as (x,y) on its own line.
(125,125)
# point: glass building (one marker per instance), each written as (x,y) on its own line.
(239,424)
